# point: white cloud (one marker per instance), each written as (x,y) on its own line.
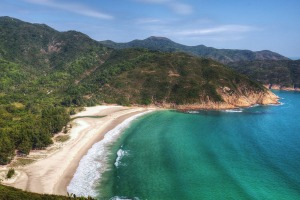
(71,7)
(148,21)
(188,34)
(181,8)
(155,1)
(176,6)
(217,30)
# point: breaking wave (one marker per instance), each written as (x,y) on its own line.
(94,163)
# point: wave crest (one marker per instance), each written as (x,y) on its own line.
(94,163)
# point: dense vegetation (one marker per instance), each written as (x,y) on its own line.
(284,73)
(10,193)
(21,104)
(38,68)
(137,76)
(221,55)
(10,173)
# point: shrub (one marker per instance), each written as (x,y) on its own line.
(10,173)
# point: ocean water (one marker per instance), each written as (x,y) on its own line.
(251,153)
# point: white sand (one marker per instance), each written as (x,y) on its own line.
(53,173)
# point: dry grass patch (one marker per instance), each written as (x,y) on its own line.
(62,138)
(18,105)
(21,162)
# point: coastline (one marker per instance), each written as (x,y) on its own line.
(280,88)
(52,174)
(53,171)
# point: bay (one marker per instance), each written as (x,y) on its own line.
(251,153)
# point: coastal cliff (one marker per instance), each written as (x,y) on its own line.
(231,101)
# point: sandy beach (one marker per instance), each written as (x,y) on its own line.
(52,173)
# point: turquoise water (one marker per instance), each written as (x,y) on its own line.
(252,153)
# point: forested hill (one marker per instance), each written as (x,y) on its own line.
(38,68)
(177,80)
(46,74)
(284,74)
(40,46)
(222,55)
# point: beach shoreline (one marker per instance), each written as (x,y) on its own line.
(53,173)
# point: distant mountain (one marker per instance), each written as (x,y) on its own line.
(222,55)
(266,67)
(283,74)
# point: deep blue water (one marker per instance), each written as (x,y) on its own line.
(252,153)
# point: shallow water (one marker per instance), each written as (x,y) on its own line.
(249,153)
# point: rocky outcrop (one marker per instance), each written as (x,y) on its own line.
(280,87)
(243,97)
(232,100)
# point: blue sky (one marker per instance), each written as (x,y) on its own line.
(233,24)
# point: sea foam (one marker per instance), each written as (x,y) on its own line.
(120,154)
(193,112)
(124,198)
(94,163)
(234,110)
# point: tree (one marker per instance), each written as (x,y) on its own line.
(6,148)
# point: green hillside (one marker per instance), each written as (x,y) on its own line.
(278,74)
(42,47)
(221,55)
(10,193)
(48,61)
(38,65)
(136,76)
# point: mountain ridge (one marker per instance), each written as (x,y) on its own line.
(222,55)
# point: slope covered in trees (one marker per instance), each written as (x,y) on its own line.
(284,74)
(10,193)
(136,76)
(38,65)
